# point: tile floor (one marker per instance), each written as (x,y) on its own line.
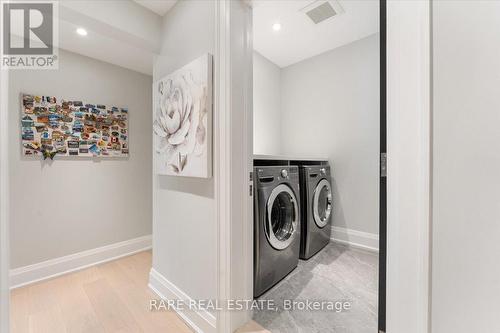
(337,273)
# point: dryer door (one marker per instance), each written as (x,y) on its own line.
(282,217)
(322,203)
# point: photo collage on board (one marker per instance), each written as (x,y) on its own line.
(73,128)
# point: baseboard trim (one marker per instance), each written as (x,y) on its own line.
(356,239)
(26,275)
(200,321)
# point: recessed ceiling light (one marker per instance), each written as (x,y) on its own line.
(81,32)
(277,26)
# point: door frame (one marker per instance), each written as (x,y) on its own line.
(233,158)
(409,163)
(382,263)
(408,168)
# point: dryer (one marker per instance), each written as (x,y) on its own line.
(317,208)
(276,224)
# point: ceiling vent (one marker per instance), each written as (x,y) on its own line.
(321,10)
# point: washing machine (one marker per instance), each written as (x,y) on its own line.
(277,224)
(317,208)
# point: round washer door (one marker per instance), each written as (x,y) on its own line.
(282,217)
(322,203)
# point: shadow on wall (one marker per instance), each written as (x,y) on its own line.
(197,186)
(338,210)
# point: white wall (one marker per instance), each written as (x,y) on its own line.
(184,227)
(71,205)
(267,106)
(330,107)
(4,205)
(466,168)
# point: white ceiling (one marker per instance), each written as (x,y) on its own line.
(100,46)
(299,38)
(130,39)
(160,7)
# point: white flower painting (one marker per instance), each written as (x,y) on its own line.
(182,121)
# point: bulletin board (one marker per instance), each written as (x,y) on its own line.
(59,127)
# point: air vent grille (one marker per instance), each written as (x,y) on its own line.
(321,10)
(321,13)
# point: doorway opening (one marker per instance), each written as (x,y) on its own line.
(319,113)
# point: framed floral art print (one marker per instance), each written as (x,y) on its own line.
(182,121)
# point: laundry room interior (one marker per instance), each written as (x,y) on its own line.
(316,124)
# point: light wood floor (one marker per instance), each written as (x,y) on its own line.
(112,297)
